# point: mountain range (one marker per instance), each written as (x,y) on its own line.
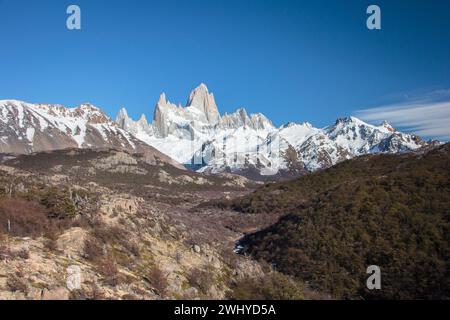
(116,200)
(199,137)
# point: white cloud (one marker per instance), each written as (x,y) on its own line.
(427,116)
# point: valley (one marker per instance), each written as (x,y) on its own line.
(140,228)
(135,229)
(199,205)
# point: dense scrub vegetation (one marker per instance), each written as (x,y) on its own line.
(30,208)
(22,218)
(385,210)
(272,286)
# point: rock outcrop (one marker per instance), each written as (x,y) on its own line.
(201,99)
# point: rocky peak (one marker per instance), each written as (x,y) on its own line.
(260,121)
(347,120)
(125,122)
(122,118)
(289,124)
(387,126)
(201,99)
(234,120)
(347,123)
(89,107)
(159,116)
(243,115)
(162,99)
(87,111)
(143,120)
(240,118)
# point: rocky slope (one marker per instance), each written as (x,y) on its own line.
(109,224)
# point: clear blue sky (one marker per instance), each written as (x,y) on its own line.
(291,60)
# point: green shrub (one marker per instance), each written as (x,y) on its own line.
(273,286)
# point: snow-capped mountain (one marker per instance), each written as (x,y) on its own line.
(27,128)
(182,131)
(198,136)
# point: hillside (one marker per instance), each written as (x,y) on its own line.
(115,168)
(128,223)
(387,210)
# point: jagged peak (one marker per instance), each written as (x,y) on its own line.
(347,119)
(239,112)
(387,125)
(198,96)
(143,119)
(201,99)
(126,122)
(242,111)
(350,120)
(122,117)
(258,115)
(240,117)
(289,124)
(261,118)
(88,106)
(347,123)
(122,112)
(200,88)
(162,99)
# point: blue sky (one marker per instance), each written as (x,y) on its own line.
(291,60)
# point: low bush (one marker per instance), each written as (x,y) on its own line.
(58,202)
(23,218)
(23,253)
(201,279)
(92,250)
(110,234)
(273,286)
(15,283)
(158,280)
(89,292)
(108,268)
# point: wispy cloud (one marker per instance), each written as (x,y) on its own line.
(427,115)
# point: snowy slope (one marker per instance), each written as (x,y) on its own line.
(27,128)
(37,127)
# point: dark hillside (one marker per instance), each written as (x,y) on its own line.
(387,210)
